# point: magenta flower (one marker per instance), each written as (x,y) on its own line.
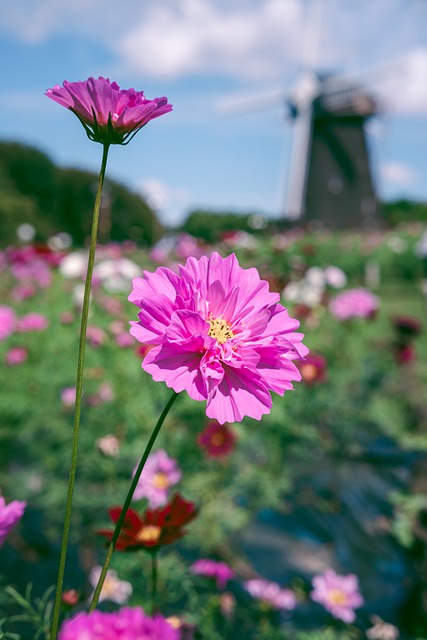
(216,440)
(32,322)
(9,516)
(109,115)
(339,595)
(218,333)
(220,571)
(271,594)
(7,322)
(354,303)
(125,624)
(16,355)
(159,475)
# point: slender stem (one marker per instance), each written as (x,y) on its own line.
(154,573)
(78,403)
(128,500)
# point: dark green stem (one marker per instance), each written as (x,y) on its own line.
(78,403)
(128,500)
(154,572)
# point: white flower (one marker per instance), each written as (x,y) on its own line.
(74,265)
(382,630)
(335,277)
(396,244)
(116,274)
(109,445)
(113,589)
(315,277)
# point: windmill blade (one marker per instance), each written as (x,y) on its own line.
(249,103)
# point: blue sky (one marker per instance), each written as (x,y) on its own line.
(199,53)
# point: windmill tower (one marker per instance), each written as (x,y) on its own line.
(331,182)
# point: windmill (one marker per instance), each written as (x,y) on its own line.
(331,182)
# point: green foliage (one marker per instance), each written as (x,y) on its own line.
(398,211)
(54,199)
(367,396)
(211,226)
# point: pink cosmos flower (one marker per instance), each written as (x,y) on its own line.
(271,593)
(124,340)
(7,322)
(218,333)
(216,440)
(109,115)
(9,516)
(159,475)
(32,322)
(68,396)
(220,571)
(354,303)
(125,624)
(95,336)
(339,595)
(23,291)
(16,355)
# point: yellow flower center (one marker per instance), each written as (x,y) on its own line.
(220,329)
(217,439)
(309,372)
(337,596)
(148,533)
(109,587)
(161,480)
(174,622)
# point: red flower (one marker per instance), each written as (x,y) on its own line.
(155,528)
(313,369)
(217,440)
(406,326)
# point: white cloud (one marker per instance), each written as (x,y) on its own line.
(199,36)
(170,203)
(406,92)
(243,39)
(398,174)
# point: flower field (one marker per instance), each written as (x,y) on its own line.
(307,523)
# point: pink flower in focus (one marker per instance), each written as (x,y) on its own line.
(109,115)
(354,303)
(9,516)
(68,396)
(7,322)
(337,594)
(16,355)
(217,440)
(158,476)
(220,571)
(125,624)
(270,593)
(32,322)
(218,333)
